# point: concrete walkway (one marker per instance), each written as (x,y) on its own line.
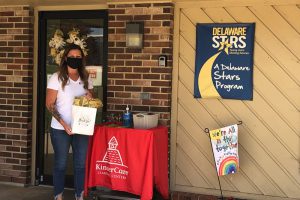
(18,192)
(15,192)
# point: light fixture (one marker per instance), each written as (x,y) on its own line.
(134,35)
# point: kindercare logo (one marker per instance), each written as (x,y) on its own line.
(112,164)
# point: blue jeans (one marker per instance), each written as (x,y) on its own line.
(61,142)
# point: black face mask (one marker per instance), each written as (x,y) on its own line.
(74,63)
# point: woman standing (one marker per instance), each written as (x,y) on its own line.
(72,80)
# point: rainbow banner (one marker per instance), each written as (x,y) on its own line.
(224,61)
(224,142)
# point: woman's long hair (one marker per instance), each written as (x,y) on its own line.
(63,68)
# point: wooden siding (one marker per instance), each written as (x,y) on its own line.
(269,138)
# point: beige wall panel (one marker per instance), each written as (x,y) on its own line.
(188,20)
(191,172)
(250,160)
(283,80)
(200,114)
(291,13)
(269,146)
(233,3)
(255,145)
(200,143)
(213,179)
(196,15)
(187,30)
(203,117)
(281,104)
(270,42)
(272,120)
(276,73)
(271,68)
(218,15)
(293,141)
(187,53)
(281,28)
(277,76)
(181,179)
(287,166)
(259,177)
(196,158)
(195,149)
(185,74)
(290,113)
(245,139)
(200,118)
(284,170)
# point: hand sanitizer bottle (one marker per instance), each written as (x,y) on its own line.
(127,118)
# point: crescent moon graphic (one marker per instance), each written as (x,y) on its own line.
(205,83)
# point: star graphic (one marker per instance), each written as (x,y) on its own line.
(222,45)
(225,45)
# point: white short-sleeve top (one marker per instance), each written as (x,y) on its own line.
(66,97)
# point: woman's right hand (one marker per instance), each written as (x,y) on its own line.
(67,128)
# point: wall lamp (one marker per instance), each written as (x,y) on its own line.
(134,35)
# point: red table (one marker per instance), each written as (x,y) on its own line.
(130,160)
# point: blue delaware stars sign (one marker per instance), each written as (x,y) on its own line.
(224,61)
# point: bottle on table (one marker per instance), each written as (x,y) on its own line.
(127,118)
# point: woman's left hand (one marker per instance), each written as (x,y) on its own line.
(89,95)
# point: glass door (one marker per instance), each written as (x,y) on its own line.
(57,28)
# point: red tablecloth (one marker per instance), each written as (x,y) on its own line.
(130,160)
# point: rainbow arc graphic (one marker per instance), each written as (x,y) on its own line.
(229,165)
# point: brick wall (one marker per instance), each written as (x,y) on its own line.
(133,72)
(16,64)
